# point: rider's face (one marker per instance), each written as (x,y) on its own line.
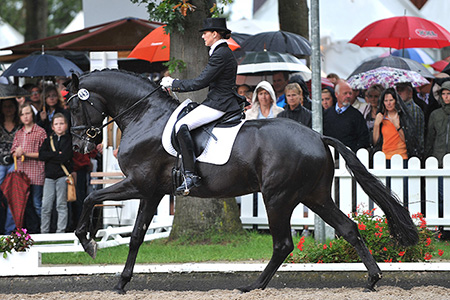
(209,37)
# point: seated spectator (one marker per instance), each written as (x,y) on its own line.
(328,97)
(53,104)
(56,151)
(26,144)
(393,130)
(294,108)
(263,103)
(344,122)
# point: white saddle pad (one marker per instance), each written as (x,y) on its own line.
(216,152)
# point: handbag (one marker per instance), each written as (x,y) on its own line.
(71,191)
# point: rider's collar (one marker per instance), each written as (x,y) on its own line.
(213,46)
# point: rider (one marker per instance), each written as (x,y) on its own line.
(220,76)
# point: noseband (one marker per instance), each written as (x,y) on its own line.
(91,132)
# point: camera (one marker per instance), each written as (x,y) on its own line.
(6,160)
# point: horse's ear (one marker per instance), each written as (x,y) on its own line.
(74,84)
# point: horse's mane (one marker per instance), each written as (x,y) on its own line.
(143,79)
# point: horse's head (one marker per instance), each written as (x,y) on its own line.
(87,109)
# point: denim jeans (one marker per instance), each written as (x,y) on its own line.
(9,221)
(36,196)
(54,189)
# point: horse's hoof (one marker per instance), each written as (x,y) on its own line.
(91,248)
(245,289)
(369,290)
(119,290)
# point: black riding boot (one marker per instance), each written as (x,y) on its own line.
(187,154)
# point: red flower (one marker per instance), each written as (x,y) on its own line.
(324,246)
(292,254)
(428,256)
(320,261)
(300,243)
(440,252)
(331,245)
(388,260)
(378,234)
(401,253)
(439,235)
(428,242)
(361,226)
(384,249)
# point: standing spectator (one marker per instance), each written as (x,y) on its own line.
(333,78)
(36,103)
(294,108)
(359,103)
(328,97)
(263,103)
(26,144)
(372,95)
(344,122)
(280,80)
(438,137)
(405,91)
(9,125)
(393,130)
(56,151)
(243,89)
(53,104)
(306,100)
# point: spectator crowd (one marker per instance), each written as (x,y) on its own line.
(34,129)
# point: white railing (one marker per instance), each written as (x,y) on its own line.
(421,194)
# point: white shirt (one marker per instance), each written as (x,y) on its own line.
(213,46)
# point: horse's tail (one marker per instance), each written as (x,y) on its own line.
(400,223)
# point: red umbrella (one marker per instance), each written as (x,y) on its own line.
(16,188)
(441,64)
(156,46)
(403,32)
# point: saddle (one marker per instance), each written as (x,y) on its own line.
(201,135)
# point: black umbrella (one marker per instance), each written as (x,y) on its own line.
(278,41)
(240,37)
(393,62)
(12,91)
(42,65)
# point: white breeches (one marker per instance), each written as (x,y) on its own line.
(199,116)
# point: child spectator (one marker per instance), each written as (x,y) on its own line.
(55,152)
(26,144)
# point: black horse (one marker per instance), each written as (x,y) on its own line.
(285,161)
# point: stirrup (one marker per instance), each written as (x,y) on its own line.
(184,188)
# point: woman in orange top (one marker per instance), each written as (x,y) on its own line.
(393,128)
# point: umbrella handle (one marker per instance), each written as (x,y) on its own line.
(22,158)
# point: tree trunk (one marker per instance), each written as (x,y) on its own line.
(194,216)
(294,15)
(36,19)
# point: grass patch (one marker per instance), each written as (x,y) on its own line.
(251,246)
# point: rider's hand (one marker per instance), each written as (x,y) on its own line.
(166,82)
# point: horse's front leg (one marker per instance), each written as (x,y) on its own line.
(147,209)
(123,190)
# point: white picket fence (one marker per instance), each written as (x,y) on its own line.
(421,194)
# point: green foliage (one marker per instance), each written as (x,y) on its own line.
(375,233)
(19,241)
(175,64)
(60,14)
(173,12)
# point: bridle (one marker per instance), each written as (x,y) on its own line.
(91,131)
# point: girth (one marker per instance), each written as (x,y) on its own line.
(202,134)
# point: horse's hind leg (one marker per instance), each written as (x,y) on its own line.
(147,209)
(280,228)
(331,214)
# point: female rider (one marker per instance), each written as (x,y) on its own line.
(220,76)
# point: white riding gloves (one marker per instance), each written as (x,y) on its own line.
(166,82)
